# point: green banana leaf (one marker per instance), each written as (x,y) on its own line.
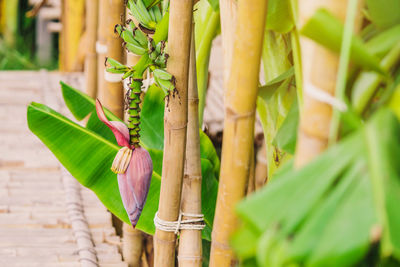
(277,95)
(286,136)
(325,29)
(384,14)
(152,122)
(74,146)
(381,43)
(206,26)
(333,211)
(279,16)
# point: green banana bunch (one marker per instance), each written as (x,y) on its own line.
(114,66)
(165,81)
(147,17)
(157,54)
(134,41)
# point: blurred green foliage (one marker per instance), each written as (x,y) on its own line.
(17,52)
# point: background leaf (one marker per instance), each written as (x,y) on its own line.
(327,30)
(384,14)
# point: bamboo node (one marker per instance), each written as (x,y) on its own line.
(233,115)
(324,97)
(177,127)
(197,223)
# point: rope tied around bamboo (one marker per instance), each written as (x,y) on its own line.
(174,226)
(324,97)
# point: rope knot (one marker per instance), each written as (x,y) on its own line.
(195,223)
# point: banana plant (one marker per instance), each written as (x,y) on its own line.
(88,152)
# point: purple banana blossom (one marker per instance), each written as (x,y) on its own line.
(133,183)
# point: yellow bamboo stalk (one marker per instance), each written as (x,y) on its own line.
(240,105)
(228,14)
(132,245)
(72,18)
(113,95)
(2,15)
(101,47)
(92,11)
(319,66)
(175,120)
(190,246)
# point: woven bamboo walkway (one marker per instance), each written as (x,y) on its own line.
(37,227)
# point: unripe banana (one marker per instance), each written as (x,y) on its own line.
(115,66)
(157,13)
(136,13)
(140,37)
(136,49)
(165,84)
(162,74)
(143,11)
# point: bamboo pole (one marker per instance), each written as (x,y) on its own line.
(319,67)
(240,105)
(72,28)
(190,246)
(132,245)
(175,120)
(228,13)
(92,12)
(10,21)
(101,47)
(113,95)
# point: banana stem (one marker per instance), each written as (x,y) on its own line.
(134,111)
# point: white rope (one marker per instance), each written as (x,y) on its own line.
(101,48)
(324,97)
(112,77)
(147,82)
(188,224)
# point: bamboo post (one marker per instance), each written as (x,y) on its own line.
(10,21)
(132,245)
(113,95)
(190,246)
(175,120)
(72,16)
(101,47)
(319,69)
(92,12)
(240,105)
(228,14)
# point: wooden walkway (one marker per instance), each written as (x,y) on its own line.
(35,221)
